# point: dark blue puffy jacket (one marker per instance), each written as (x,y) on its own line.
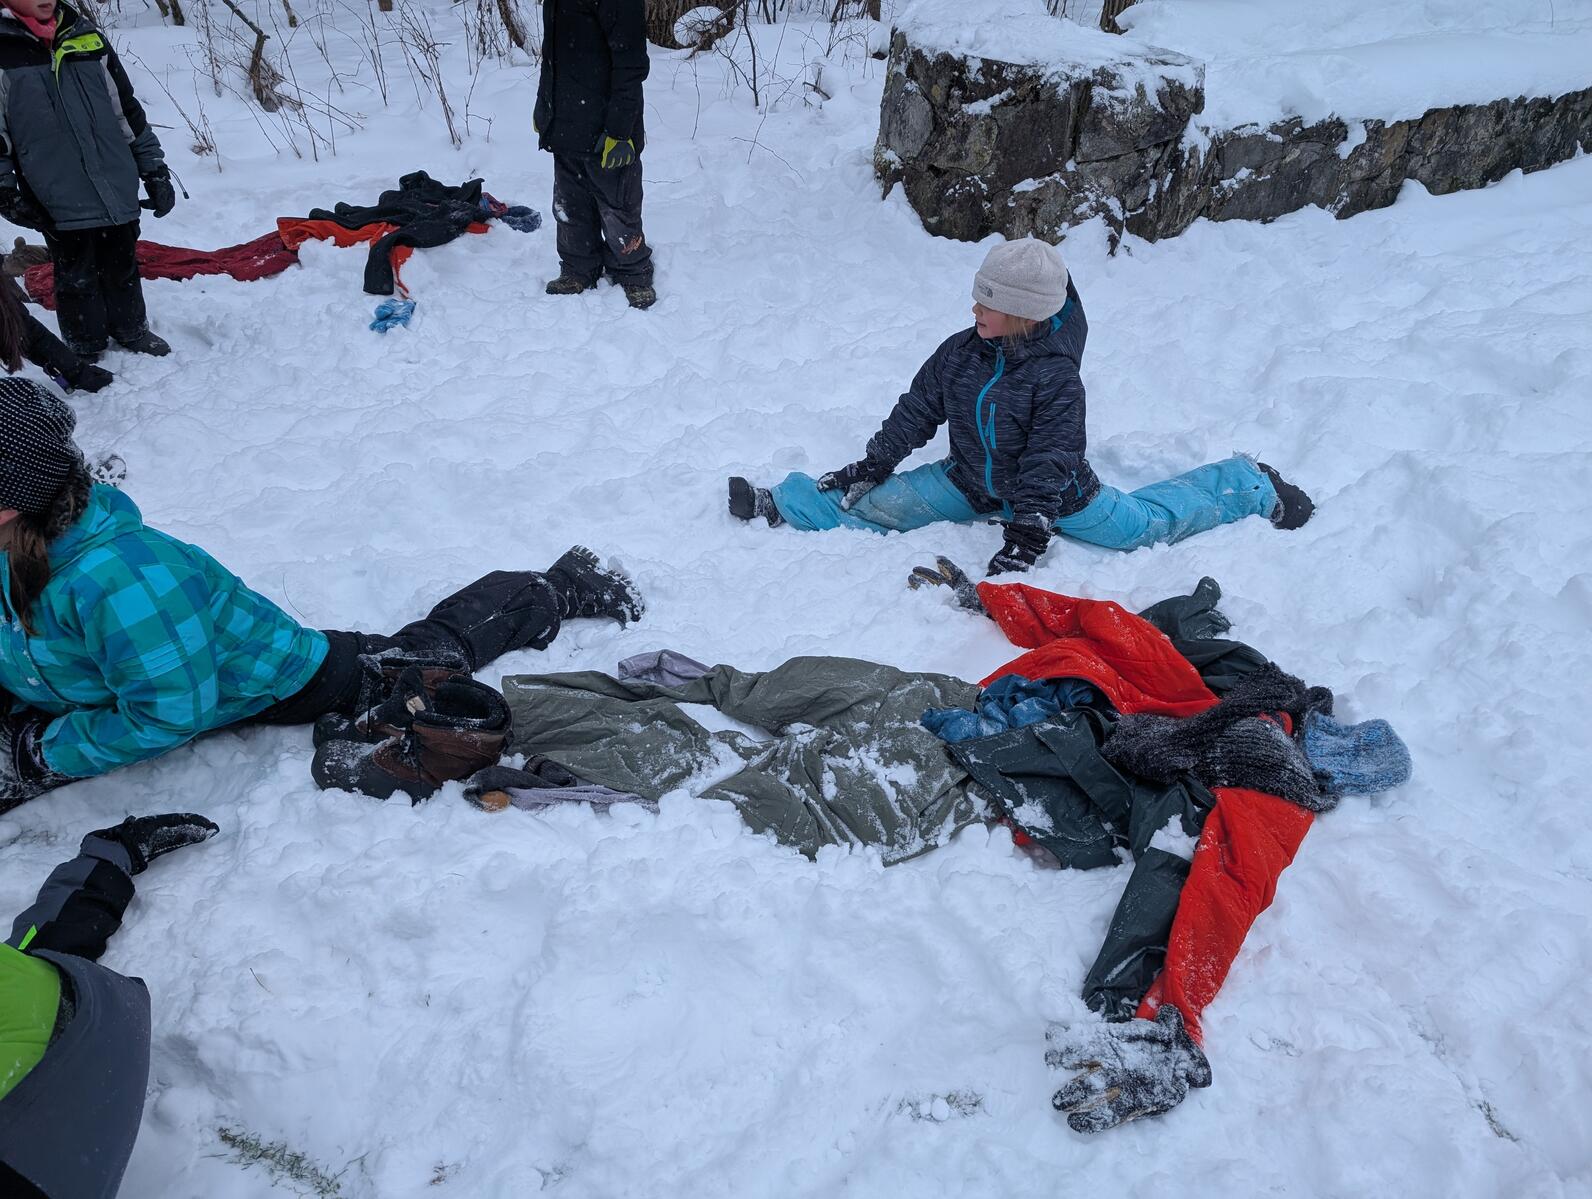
(1015,417)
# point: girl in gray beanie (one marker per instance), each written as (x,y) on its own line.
(1009,392)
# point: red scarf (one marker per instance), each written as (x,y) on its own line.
(43,30)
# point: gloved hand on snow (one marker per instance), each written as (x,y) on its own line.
(1027,537)
(1128,1070)
(146,838)
(946,573)
(856,480)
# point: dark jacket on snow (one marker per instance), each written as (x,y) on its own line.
(594,59)
(1015,418)
(72,134)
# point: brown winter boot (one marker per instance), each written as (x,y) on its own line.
(453,731)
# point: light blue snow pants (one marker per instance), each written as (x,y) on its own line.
(1200,499)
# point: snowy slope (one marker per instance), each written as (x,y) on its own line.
(439,1002)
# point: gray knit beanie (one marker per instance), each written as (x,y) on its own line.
(37,453)
(1025,278)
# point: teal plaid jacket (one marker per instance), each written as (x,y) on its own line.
(143,643)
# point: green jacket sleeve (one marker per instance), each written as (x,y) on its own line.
(152,635)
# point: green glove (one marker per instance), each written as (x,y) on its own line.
(617,153)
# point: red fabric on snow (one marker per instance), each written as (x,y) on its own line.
(1127,657)
(1248,839)
(257,259)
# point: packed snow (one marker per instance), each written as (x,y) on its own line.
(436,1001)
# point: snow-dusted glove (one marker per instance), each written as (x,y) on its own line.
(1027,537)
(856,480)
(162,195)
(945,573)
(1138,1068)
(616,152)
(20,210)
(86,376)
(149,837)
(23,770)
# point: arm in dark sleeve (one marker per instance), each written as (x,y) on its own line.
(145,145)
(81,904)
(624,24)
(1055,451)
(917,415)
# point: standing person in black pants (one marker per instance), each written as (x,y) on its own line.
(75,146)
(74,1035)
(588,113)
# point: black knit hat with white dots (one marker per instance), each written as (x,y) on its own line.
(37,453)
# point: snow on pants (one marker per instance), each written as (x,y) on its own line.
(1193,502)
(599,221)
(98,293)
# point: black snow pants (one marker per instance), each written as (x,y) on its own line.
(503,611)
(98,294)
(599,221)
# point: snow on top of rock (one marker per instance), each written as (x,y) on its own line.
(1023,32)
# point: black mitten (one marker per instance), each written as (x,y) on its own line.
(1138,1068)
(856,480)
(162,196)
(1027,537)
(149,837)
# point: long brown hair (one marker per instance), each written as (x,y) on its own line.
(26,541)
(13,326)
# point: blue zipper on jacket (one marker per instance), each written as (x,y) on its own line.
(986,430)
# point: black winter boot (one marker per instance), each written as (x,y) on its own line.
(747,501)
(567,285)
(640,295)
(1294,507)
(147,343)
(459,728)
(585,587)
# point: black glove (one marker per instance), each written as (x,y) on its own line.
(856,480)
(23,770)
(946,573)
(616,152)
(87,377)
(1027,535)
(1138,1068)
(162,196)
(149,837)
(21,210)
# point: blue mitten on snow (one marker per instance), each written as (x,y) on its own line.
(522,219)
(392,313)
(1355,759)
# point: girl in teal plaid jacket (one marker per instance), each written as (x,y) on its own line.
(119,643)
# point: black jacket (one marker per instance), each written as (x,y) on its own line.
(1015,417)
(594,58)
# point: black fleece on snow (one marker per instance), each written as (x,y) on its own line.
(426,213)
(594,59)
(1015,417)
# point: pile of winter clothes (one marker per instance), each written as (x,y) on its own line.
(1115,737)
(419,212)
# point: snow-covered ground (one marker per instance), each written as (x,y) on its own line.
(436,1001)
(1359,59)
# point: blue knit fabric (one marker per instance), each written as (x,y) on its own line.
(392,313)
(522,219)
(1010,702)
(1355,759)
